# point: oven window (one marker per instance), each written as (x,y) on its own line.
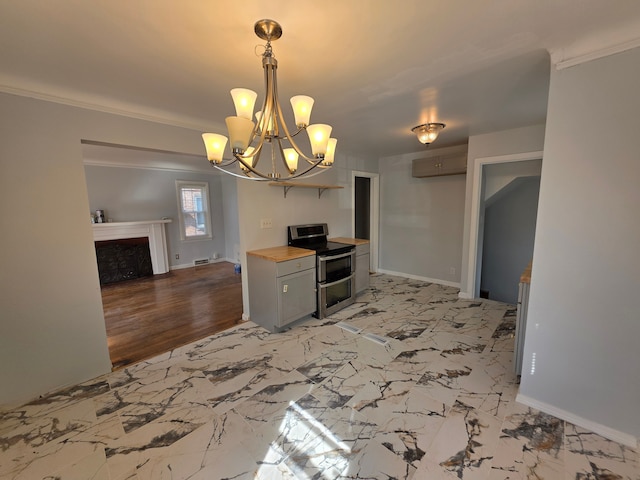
(338,293)
(337,269)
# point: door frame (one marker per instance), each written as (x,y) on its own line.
(474,264)
(374,213)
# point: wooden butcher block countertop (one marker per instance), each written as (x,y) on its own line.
(281,254)
(526,275)
(350,241)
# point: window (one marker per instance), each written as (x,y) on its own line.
(193,210)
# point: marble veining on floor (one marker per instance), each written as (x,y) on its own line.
(410,382)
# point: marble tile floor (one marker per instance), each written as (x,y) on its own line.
(410,382)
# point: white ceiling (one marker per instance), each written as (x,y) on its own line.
(376,68)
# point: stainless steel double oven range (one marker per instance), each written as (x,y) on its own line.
(335,266)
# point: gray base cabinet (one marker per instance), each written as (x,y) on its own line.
(281,292)
(362,267)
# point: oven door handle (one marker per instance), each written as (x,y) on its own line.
(326,285)
(324,258)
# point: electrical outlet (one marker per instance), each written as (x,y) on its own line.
(266,223)
(452,270)
(177,256)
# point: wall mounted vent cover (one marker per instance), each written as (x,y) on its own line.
(201,261)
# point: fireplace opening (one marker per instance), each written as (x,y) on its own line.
(123,259)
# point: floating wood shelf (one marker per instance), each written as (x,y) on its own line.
(289,185)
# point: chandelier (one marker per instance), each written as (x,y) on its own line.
(269,136)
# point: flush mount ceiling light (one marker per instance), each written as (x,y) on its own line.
(428,132)
(249,140)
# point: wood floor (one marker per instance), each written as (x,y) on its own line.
(152,315)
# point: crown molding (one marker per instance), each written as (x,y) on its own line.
(130,111)
(101,154)
(151,166)
(561,60)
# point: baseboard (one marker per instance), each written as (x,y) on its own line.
(465,295)
(180,267)
(607,432)
(189,265)
(418,277)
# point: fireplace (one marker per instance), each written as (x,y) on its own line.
(123,259)
(151,232)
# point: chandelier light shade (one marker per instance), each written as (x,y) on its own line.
(331,148)
(428,132)
(291,157)
(244,100)
(302,106)
(214,145)
(269,136)
(319,137)
(240,130)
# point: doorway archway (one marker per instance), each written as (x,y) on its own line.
(474,263)
(374,212)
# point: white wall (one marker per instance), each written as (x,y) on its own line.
(584,325)
(421,219)
(130,194)
(52,330)
(506,142)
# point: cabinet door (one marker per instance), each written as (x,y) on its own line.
(439,165)
(296,296)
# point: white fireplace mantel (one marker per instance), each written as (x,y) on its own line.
(153,229)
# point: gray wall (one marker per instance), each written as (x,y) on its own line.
(230,215)
(509,230)
(52,330)
(581,351)
(130,194)
(421,220)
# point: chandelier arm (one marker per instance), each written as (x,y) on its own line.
(314,164)
(224,163)
(299,129)
(288,135)
(265,123)
(240,158)
(243,175)
(319,169)
(237,157)
(250,169)
(258,147)
(263,178)
(264,119)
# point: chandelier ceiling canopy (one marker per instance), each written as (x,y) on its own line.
(266,149)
